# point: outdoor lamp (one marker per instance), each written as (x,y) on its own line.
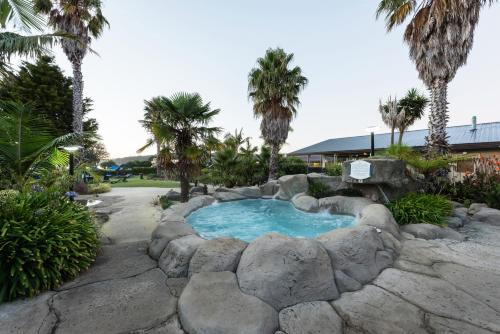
(371,130)
(71,150)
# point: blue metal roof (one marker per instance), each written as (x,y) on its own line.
(457,135)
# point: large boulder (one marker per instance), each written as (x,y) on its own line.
(270,188)
(332,182)
(284,271)
(221,254)
(305,203)
(310,317)
(429,232)
(248,192)
(173,195)
(164,233)
(212,303)
(344,204)
(379,216)
(488,215)
(291,185)
(475,207)
(382,171)
(225,196)
(174,260)
(358,252)
(196,203)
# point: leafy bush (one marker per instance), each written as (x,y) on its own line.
(291,166)
(420,208)
(44,241)
(332,169)
(6,196)
(165,202)
(319,190)
(144,170)
(99,188)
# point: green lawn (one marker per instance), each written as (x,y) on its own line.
(137,182)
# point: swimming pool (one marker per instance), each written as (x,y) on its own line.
(249,219)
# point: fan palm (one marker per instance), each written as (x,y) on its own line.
(28,143)
(181,129)
(440,36)
(84,20)
(274,88)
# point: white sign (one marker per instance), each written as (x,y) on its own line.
(360,170)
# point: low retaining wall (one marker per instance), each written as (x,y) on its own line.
(232,286)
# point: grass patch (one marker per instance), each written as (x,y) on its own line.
(137,182)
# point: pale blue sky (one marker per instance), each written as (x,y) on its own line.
(160,47)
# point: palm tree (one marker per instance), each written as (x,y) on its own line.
(181,130)
(391,115)
(273,88)
(21,17)
(440,36)
(84,20)
(412,107)
(152,114)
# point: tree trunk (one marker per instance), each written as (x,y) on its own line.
(400,139)
(437,139)
(77,97)
(273,162)
(158,167)
(392,135)
(184,188)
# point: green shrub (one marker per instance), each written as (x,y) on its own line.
(44,241)
(165,202)
(291,166)
(6,196)
(332,169)
(144,170)
(99,188)
(349,192)
(319,190)
(421,208)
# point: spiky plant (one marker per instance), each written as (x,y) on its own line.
(440,35)
(274,87)
(412,107)
(84,20)
(152,111)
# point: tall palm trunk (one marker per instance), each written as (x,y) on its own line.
(273,162)
(158,151)
(400,138)
(437,140)
(77,96)
(184,187)
(392,134)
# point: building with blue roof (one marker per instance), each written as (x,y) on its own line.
(473,138)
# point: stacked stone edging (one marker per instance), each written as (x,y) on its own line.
(273,275)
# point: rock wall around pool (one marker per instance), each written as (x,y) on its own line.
(226,285)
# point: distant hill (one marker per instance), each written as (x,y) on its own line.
(121,161)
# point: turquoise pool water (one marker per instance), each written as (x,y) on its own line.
(251,218)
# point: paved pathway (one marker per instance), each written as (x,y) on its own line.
(438,286)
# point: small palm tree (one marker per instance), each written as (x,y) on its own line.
(152,113)
(84,20)
(181,128)
(391,115)
(440,36)
(28,144)
(274,88)
(412,107)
